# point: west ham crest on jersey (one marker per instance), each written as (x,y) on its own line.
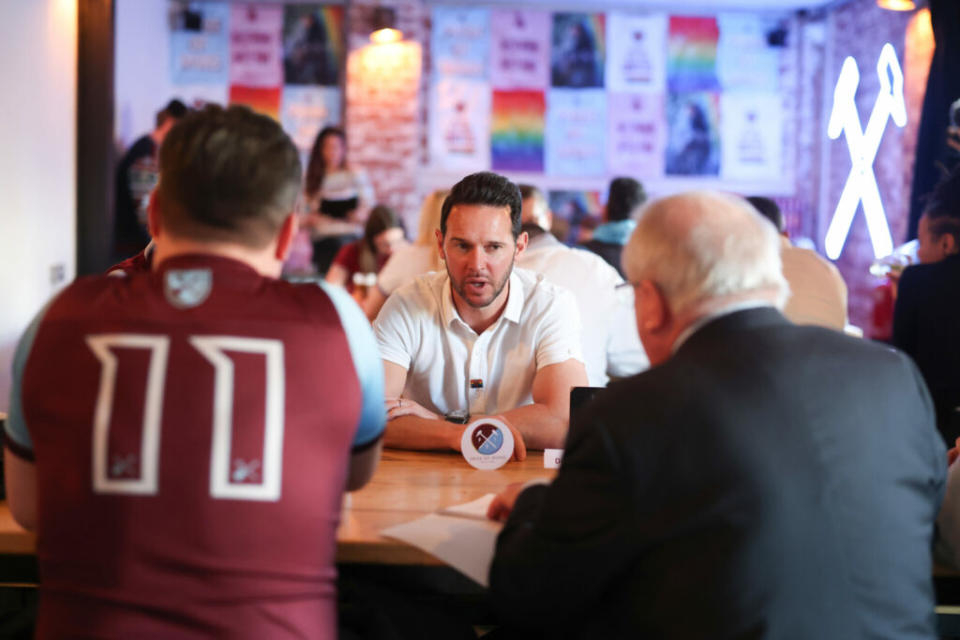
(187,288)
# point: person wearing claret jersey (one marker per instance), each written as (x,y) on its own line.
(180,438)
(480,338)
(761,480)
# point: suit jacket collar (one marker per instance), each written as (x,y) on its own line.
(745,320)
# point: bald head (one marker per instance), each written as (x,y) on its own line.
(703,248)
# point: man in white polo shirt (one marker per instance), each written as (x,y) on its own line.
(481,338)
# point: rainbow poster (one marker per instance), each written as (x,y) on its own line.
(692,54)
(516,133)
(579,50)
(261,100)
(313,45)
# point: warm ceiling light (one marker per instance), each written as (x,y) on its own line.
(385,26)
(385,36)
(897,5)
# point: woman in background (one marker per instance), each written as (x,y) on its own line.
(337,197)
(408,263)
(382,235)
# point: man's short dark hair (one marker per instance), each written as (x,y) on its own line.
(175,109)
(227,175)
(623,198)
(943,208)
(484,188)
(769,210)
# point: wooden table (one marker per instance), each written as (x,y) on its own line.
(407,485)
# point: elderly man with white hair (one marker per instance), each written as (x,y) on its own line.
(761,480)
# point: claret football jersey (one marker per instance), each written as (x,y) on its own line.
(191,428)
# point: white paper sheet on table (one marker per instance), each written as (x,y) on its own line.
(461,536)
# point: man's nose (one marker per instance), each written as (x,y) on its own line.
(475,258)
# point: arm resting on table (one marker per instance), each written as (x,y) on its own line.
(544,423)
(565,544)
(363,462)
(415,432)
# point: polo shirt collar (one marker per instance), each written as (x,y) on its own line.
(515,298)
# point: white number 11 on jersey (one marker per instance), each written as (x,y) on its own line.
(213,349)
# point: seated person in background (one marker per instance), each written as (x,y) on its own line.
(338,197)
(818,294)
(208,417)
(609,330)
(926,316)
(382,235)
(136,177)
(761,480)
(410,261)
(480,338)
(623,199)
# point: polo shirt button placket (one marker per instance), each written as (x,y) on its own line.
(477,394)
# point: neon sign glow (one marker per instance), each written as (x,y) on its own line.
(861,184)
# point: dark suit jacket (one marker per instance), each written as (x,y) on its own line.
(769,481)
(926,324)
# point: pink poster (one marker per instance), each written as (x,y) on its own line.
(520,49)
(635,141)
(255,48)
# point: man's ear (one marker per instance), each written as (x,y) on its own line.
(288,231)
(522,241)
(948,244)
(440,244)
(153,216)
(652,307)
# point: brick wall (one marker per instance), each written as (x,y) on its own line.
(383,115)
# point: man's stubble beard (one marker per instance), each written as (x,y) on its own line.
(497,289)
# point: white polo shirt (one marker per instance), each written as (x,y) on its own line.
(611,346)
(419,329)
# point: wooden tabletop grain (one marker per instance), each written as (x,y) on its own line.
(407,485)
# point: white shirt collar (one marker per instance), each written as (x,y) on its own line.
(743,305)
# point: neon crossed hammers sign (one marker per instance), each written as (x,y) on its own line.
(861,184)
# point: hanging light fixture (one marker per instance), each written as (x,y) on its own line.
(897,5)
(385,26)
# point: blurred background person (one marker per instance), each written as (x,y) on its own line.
(382,236)
(623,199)
(608,333)
(136,176)
(818,294)
(411,261)
(337,197)
(926,317)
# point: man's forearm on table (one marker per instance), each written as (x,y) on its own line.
(414,432)
(541,428)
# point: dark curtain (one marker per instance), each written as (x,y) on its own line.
(943,87)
